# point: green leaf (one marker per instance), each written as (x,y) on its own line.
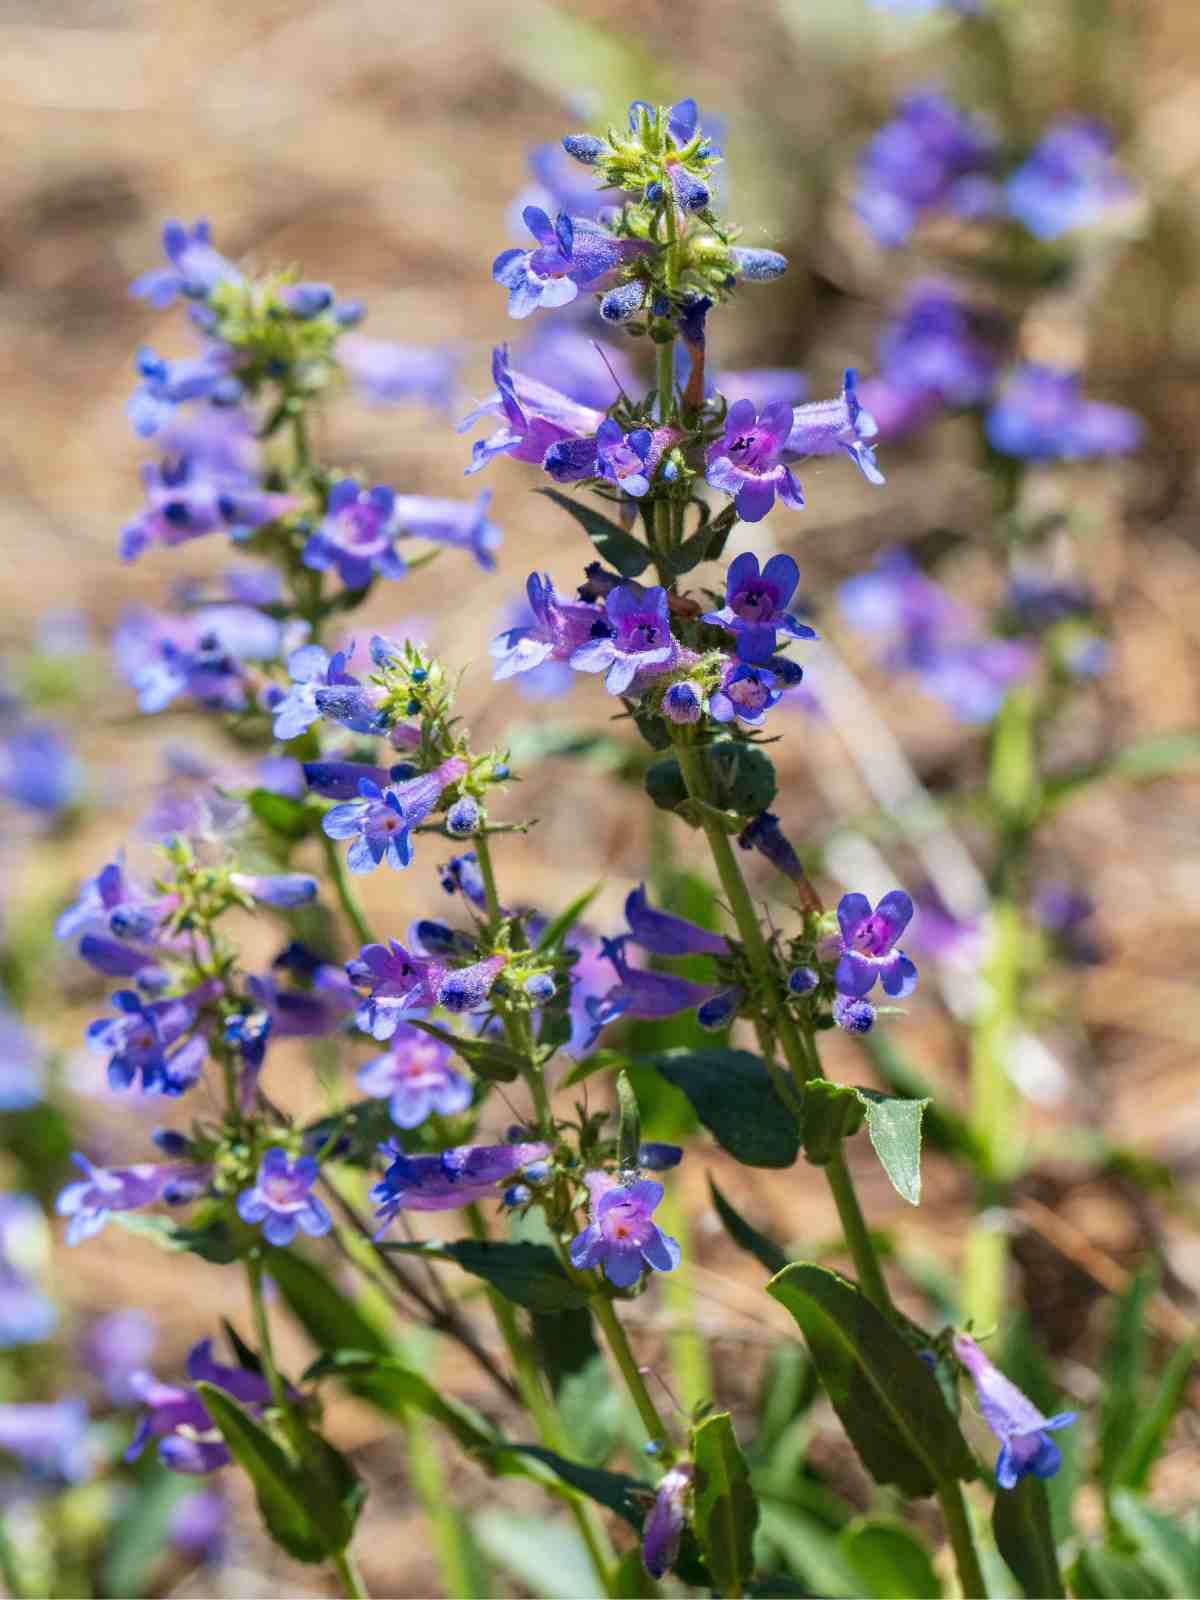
(139,1538)
(627,554)
(598,1061)
(1132,1467)
(835,1111)
(1170,1552)
(812,1550)
(590,1409)
(361,1129)
(530,1275)
(290,818)
(566,1343)
(1105,1575)
(1122,1369)
(890,1560)
(554,933)
(894,1129)
(309,1506)
(330,1318)
(764,1250)
(731,1092)
(629,1579)
(487,1058)
(725,1512)
(832,1112)
(617,1491)
(743,777)
(1024,1537)
(887,1398)
(664,784)
(214,1242)
(1156,757)
(629,1132)
(386,1383)
(546,1556)
(944,1129)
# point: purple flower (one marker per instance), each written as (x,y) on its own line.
(638,993)
(626,459)
(307,1013)
(823,427)
(974,678)
(633,639)
(201,654)
(931,350)
(745,692)
(758,266)
(756,605)
(682,703)
(667,935)
(196,268)
(339,780)
(462,524)
(535,416)
(115,1347)
(452,1179)
(282,1199)
(461,875)
(1041,414)
(1023,1432)
(1066,914)
(207,480)
(717,1013)
(396,981)
(281,889)
(930,157)
(27,1316)
(466,988)
(152,1040)
(558,185)
(571,253)
(165,385)
(310,668)
(622,1236)
(50,1440)
(664,1526)
(91,1200)
(178,1419)
(765,835)
(380,822)
(355,535)
(386,373)
(199,1526)
(1068,181)
(867,950)
(746,461)
(558,629)
(22,1063)
(855,1016)
(416,1078)
(38,769)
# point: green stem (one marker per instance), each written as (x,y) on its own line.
(344,891)
(266,1353)
(487,872)
(799,1048)
(428,1478)
(542,1409)
(618,1343)
(962,1540)
(349,1576)
(665,367)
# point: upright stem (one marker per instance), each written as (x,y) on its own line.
(962,1540)
(618,1343)
(799,1050)
(543,1411)
(344,891)
(487,872)
(349,1576)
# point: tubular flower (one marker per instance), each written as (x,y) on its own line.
(868,946)
(755,606)
(623,1238)
(746,461)
(1023,1432)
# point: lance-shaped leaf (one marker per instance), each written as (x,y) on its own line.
(731,1092)
(887,1398)
(746,1237)
(835,1111)
(1169,1549)
(392,1387)
(530,1275)
(628,555)
(310,1505)
(1025,1538)
(629,1132)
(290,818)
(1148,1436)
(725,1510)
(617,1491)
(555,932)
(890,1561)
(487,1058)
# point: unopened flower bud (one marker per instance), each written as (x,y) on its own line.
(584,147)
(463,817)
(681,703)
(759,266)
(855,1016)
(624,302)
(802,980)
(540,988)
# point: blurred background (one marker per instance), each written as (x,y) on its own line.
(382,146)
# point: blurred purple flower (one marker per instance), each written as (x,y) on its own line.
(115,1347)
(386,373)
(196,268)
(416,1078)
(27,1315)
(282,1200)
(444,1182)
(51,1441)
(1069,179)
(1041,414)
(663,1531)
(931,157)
